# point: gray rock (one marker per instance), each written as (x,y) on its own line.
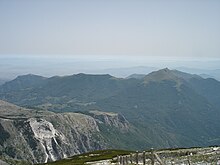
(38,136)
(3,163)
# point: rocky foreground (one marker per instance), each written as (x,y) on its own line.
(42,136)
(188,156)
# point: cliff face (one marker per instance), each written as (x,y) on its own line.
(111,119)
(39,136)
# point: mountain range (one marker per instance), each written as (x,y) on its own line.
(165,108)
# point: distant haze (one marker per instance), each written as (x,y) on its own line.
(119,66)
(176,28)
(119,37)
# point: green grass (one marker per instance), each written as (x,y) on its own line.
(89,157)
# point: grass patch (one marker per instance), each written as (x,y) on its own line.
(90,157)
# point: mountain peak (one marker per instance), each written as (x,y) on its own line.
(167,74)
(160,75)
(23,82)
(165,70)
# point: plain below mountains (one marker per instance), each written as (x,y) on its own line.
(166,108)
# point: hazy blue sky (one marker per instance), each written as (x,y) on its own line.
(179,28)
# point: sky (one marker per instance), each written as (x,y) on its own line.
(94,28)
(64,37)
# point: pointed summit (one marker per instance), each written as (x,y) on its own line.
(160,75)
(167,74)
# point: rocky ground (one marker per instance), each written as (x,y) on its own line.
(190,156)
(42,136)
(193,156)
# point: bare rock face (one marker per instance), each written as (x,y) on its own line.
(38,136)
(48,137)
(111,119)
(3,163)
(38,140)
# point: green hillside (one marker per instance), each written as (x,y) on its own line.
(166,108)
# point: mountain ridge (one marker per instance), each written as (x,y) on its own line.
(173,109)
